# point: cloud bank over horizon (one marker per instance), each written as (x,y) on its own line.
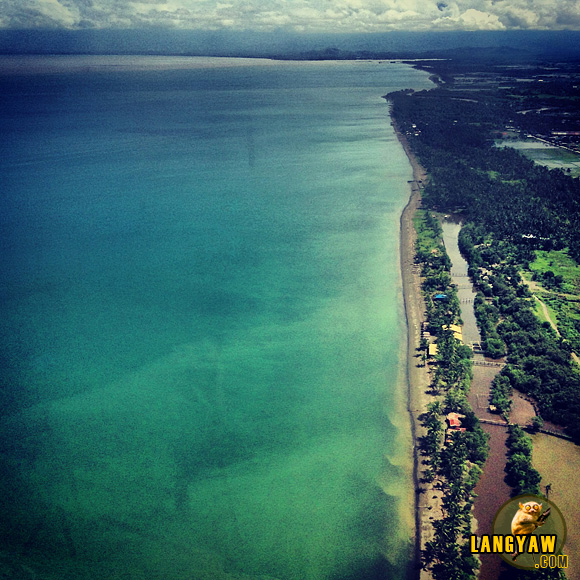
(293,15)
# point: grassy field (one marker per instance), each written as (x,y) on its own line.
(561,292)
(561,264)
(539,311)
(427,238)
(558,462)
(567,315)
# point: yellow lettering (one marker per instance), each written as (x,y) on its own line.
(509,544)
(497,544)
(533,546)
(562,561)
(521,540)
(548,543)
(485,547)
(473,544)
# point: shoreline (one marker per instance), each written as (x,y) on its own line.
(417,377)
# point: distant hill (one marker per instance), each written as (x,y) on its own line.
(281,44)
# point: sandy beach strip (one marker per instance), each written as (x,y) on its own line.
(427,501)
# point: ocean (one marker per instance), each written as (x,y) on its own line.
(202,324)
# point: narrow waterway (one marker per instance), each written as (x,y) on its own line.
(465,290)
(491,490)
(556,460)
(522,410)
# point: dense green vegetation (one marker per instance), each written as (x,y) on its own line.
(556,269)
(435,269)
(453,458)
(519,218)
(559,278)
(538,359)
(567,318)
(487,315)
(453,135)
(523,479)
(521,475)
(516,212)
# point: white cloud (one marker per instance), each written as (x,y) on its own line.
(59,12)
(312,15)
(39,13)
(477,20)
(517,17)
(471,19)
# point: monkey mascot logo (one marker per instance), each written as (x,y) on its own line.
(528,532)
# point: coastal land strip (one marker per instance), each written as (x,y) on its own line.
(426,504)
(491,485)
(553,457)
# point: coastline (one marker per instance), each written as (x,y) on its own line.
(417,376)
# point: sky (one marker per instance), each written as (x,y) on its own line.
(344,16)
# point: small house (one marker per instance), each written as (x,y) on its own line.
(454,422)
(457,332)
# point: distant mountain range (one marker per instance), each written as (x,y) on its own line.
(281,44)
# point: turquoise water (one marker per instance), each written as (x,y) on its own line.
(202,322)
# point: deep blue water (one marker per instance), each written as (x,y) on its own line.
(201,321)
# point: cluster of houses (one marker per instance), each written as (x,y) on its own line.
(457,333)
(453,420)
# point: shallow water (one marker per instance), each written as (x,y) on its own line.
(202,323)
